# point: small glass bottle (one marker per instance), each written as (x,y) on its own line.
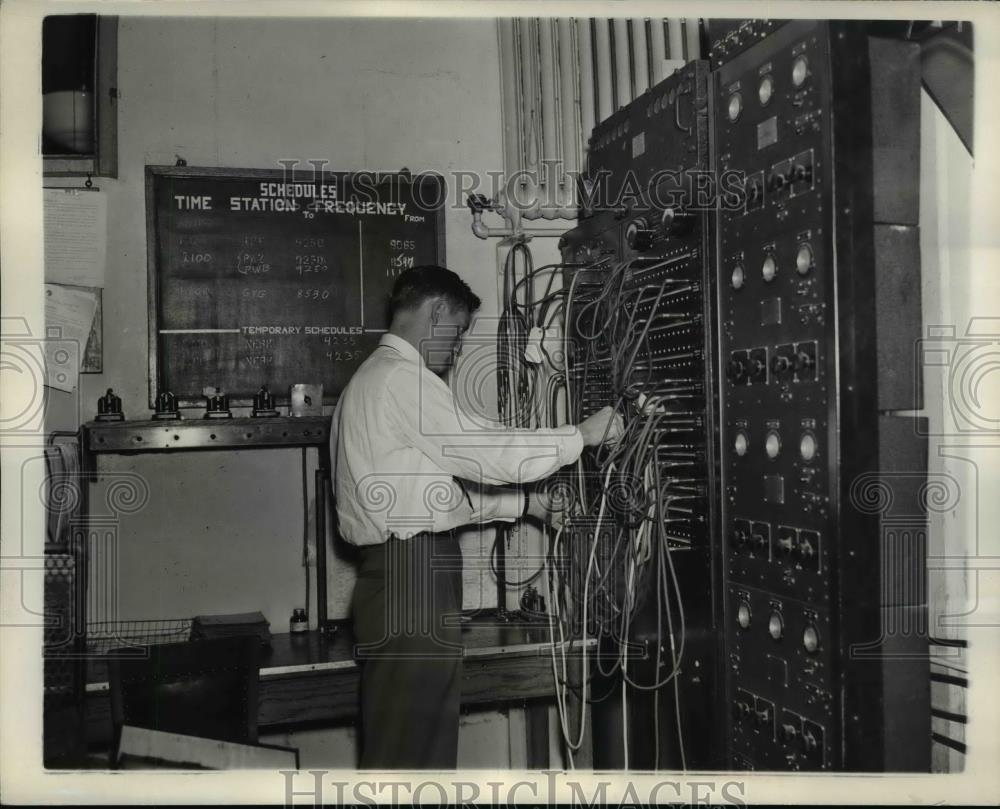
(299,622)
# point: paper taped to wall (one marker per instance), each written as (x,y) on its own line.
(69,315)
(76,231)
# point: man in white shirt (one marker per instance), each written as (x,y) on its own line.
(409,467)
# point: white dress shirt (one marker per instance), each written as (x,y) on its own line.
(407,459)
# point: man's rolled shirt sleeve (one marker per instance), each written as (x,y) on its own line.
(475,448)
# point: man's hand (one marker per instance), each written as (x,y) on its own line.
(546,508)
(604,426)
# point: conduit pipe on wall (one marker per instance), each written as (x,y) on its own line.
(569,120)
(658,48)
(675,29)
(550,169)
(693,39)
(510,110)
(605,103)
(527,197)
(640,56)
(584,49)
(623,73)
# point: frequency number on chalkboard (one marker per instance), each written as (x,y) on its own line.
(310,242)
(310,263)
(195,258)
(344,356)
(313,294)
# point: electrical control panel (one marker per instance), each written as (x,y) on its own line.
(800,347)
(640,291)
(646,247)
(755,230)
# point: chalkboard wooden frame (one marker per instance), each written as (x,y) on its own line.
(155,174)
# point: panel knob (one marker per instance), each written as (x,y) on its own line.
(810,638)
(807,447)
(735,106)
(772,444)
(776,625)
(674,222)
(741,444)
(765,90)
(738,277)
(804,361)
(638,235)
(769,268)
(800,70)
(743,615)
(804,259)
(789,732)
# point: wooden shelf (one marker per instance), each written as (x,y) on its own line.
(201,433)
(311,678)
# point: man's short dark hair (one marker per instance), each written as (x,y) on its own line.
(428,281)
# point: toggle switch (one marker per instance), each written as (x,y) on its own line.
(805,363)
(781,364)
(786,541)
(809,742)
(741,534)
(779,179)
(736,369)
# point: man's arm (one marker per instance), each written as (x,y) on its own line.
(428,418)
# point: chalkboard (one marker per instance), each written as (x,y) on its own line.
(272,277)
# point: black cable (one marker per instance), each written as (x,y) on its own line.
(958,643)
(948,715)
(949,742)
(507,581)
(949,680)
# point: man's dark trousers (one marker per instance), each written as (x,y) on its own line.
(406,608)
